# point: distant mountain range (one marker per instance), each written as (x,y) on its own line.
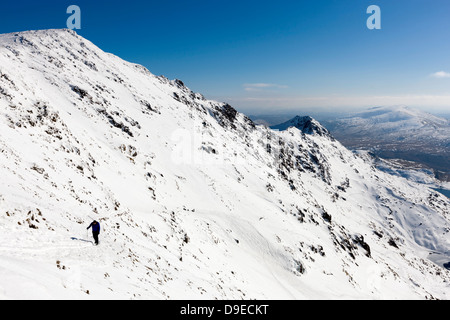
(398,132)
(414,137)
(393,123)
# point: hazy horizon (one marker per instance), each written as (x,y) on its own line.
(330,112)
(274,117)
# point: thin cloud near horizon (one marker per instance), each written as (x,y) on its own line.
(440,74)
(261,86)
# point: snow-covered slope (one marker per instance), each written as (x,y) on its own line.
(195,201)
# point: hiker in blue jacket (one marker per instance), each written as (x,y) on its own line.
(95,230)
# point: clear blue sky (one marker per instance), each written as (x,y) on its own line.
(263,56)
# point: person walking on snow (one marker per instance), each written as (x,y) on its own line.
(95,230)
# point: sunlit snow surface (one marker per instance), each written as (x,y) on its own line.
(194,200)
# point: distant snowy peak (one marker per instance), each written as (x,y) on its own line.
(397,132)
(305,124)
(394,121)
(398,114)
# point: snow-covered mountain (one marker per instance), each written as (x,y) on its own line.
(397,132)
(195,201)
(305,124)
(394,119)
